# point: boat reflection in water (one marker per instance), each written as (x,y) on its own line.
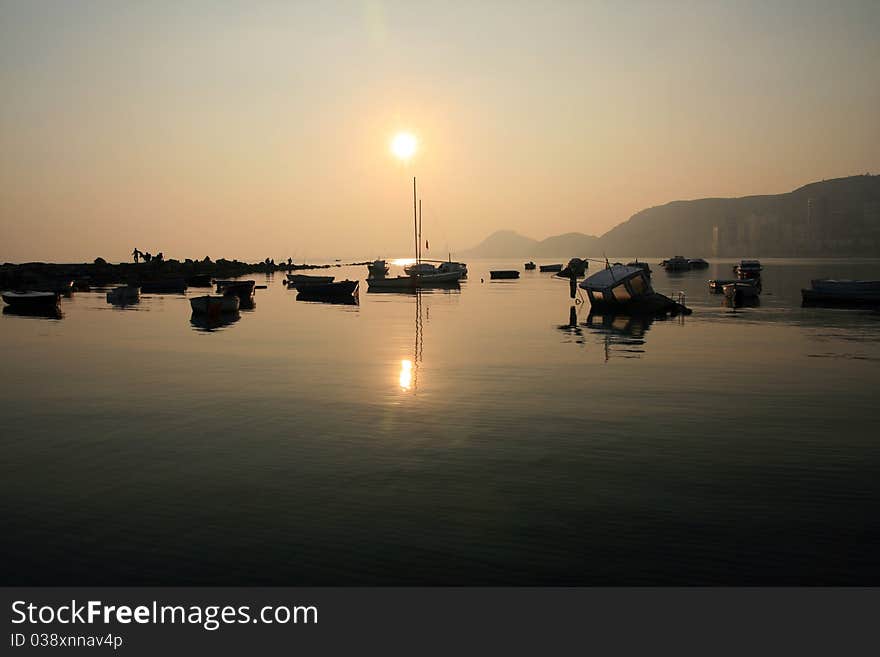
(36,312)
(622,335)
(208,323)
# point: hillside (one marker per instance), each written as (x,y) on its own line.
(839,217)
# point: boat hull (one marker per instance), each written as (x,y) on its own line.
(298,280)
(32,300)
(327,290)
(210,305)
(125,295)
(546,268)
(503,274)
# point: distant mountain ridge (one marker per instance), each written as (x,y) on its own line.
(838,217)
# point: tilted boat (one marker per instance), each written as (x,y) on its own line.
(228,303)
(32,300)
(302,279)
(124,295)
(503,273)
(842,292)
(621,287)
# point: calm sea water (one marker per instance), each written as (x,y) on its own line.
(496,435)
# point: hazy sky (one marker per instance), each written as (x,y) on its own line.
(255,129)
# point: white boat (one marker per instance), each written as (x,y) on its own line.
(124,295)
(228,303)
(303,279)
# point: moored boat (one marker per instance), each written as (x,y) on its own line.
(228,303)
(677,263)
(297,280)
(555,267)
(716,285)
(449,266)
(124,295)
(739,292)
(698,263)
(333,289)
(413,282)
(244,290)
(576,267)
(842,292)
(529,266)
(748,269)
(32,299)
(503,274)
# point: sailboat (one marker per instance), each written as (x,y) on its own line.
(420,274)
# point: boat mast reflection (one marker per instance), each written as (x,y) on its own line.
(409,367)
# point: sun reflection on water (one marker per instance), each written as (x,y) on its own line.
(406,376)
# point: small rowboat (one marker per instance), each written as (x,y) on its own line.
(32,300)
(215,305)
(297,280)
(529,266)
(124,295)
(326,290)
(551,267)
(244,290)
(503,273)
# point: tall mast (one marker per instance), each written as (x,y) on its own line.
(420,230)
(415,220)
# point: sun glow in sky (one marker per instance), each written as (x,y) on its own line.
(404,145)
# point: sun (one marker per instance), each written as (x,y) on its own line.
(404,145)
